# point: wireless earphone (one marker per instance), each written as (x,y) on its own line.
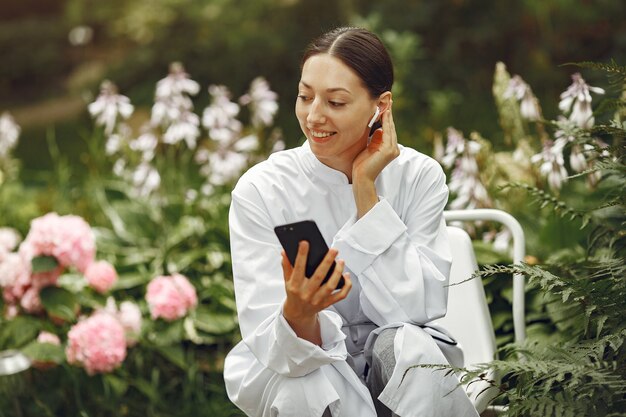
(371,123)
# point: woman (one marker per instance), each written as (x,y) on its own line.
(308,350)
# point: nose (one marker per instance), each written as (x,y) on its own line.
(316,113)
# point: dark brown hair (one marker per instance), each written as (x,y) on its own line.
(362,51)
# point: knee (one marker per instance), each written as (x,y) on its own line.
(383,350)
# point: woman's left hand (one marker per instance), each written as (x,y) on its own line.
(382,149)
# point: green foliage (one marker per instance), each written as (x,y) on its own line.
(580,369)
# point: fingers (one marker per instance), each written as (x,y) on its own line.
(323,268)
(343,292)
(389,128)
(287,268)
(299,267)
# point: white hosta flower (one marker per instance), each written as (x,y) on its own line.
(109,107)
(577,159)
(9,133)
(279,145)
(465,179)
(225,166)
(191,195)
(577,98)
(207,189)
(80,35)
(146,179)
(185,128)
(552,164)
(146,143)
(168,110)
(113,144)
(456,146)
(501,240)
(119,166)
(219,118)
(176,83)
(202,156)
(529,105)
(247,144)
(262,101)
(470,191)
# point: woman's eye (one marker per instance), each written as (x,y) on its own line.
(303,97)
(336,103)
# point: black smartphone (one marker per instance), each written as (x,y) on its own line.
(291,234)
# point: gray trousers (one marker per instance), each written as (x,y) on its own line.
(381,368)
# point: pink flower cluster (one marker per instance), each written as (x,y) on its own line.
(47,337)
(68,238)
(129,316)
(97,343)
(170,297)
(101,276)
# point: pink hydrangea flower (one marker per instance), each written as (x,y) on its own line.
(129,316)
(101,276)
(68,238)
(15,280)
(47,337)
(9,238)
(97,343)
(170,297)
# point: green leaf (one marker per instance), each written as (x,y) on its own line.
(19,331)
(117,384)
(44,263)
(214,323)
(146,389)
(44,352)
(59,302)
(72,282)
(127,281)
(164,333)
(174,354)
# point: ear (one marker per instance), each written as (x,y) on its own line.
(384,101)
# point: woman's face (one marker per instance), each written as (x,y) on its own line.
(333,108)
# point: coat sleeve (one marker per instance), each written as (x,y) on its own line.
(401,255)
(260,293)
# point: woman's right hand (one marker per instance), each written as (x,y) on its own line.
(306,296)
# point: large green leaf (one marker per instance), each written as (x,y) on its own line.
(214,323)
(44,352)
(174,354)
(44,263)
(19,331)
(59,302)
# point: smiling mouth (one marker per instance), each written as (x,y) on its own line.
(321,136)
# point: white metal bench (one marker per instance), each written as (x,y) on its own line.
(468,317)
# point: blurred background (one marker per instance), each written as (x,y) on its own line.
(154,212)
(55,53)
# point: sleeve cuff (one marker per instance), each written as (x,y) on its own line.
(359,242)
(301,351)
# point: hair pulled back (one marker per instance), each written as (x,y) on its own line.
(362,51)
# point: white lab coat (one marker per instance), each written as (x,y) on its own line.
(398,258)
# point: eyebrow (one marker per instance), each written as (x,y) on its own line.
(330,90)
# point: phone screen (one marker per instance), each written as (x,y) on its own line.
(291,234)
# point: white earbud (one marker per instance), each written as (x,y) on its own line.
(371,123)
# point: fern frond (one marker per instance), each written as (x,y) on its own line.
(610,67)
(545,199)
(616,73)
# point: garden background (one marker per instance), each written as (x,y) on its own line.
(153,180)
